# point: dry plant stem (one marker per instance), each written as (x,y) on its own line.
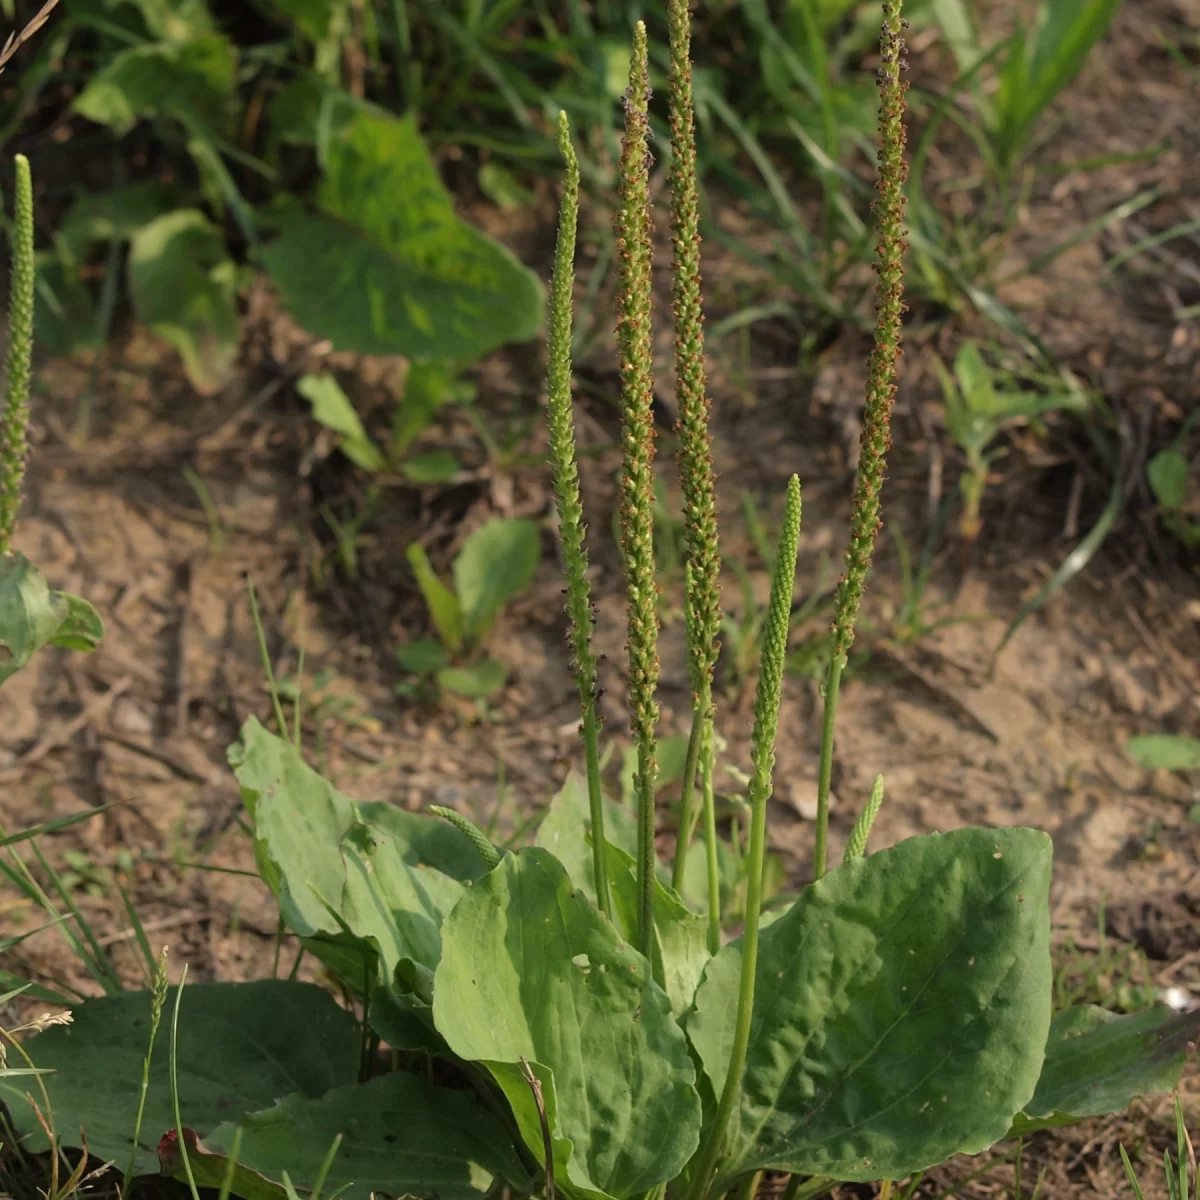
(637,461)
(703,599)
(766,723)
(570,505)
(888,210)
(13,443)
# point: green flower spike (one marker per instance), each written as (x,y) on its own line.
(767,699)
(637,456)
(13,445)
(570,505)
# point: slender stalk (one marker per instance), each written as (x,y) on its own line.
(14,447)
(865,520)
(637,467)
(703,588)
(710,844)
(158,998)
(563,458)
(766,723)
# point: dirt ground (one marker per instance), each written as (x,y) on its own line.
(1034,737)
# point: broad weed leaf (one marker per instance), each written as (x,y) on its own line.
(901,1015)
(401,1137)
(184,286)
(241,1047)
(33,616)
(1099,1062)
(530,968)
(385,266)
(496,563)
(332,408)
(358,881)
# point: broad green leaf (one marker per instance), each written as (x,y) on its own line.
(496,563)
(680,935)
(176,20)
(184,286)
(443,604)
(902,1007)
(351,880)
(531,969)
(194,81)
(1099,1062)
(210,1168)
(480,679)
(33,616)
(241,1047)
(332,408)
(1167,473)
(423,656)
(386,266)
(402,1137)
(1159,751)
(566,831)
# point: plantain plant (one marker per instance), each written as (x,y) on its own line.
(560,1018)
(31,614)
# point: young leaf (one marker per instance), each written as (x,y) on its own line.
(403,1137)
(1159,751)
(32,616)
(480,679)
(241,1047)
(332,408)
(386,267)
(1098,1062)
(531,969)
(184,287)
(443,604)
(496,563)
(907,1012)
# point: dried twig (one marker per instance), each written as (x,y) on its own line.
(535,1085)
(17,40)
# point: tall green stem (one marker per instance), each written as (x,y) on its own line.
(637,461)
(865,520)
(569,502)
(710,844)
(13,443)
(766,723)
(702,578)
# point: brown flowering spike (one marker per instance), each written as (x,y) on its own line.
(865,521)
(637,459)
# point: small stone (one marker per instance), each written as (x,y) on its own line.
(128,717)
